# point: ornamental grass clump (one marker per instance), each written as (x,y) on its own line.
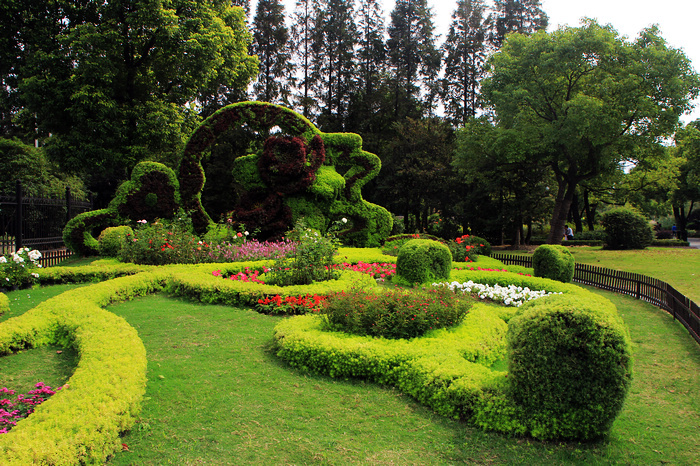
(394,314)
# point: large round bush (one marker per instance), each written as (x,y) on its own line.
(569,365)
(423,260)
(112,239)
(553,262)
(626,229)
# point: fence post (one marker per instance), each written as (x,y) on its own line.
(68,217)
(639,289)
(18,217)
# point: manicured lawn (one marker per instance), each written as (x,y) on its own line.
(217,394)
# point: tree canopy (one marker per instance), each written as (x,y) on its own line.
(580,101)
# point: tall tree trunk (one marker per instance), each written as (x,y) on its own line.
(562,204)
(590,211)
(576,213)
(681,221)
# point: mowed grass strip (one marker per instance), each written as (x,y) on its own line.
(218,395)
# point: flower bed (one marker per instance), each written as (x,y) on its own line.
(510,295)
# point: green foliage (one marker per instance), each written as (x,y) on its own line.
(467,247)
(82,422)
(393,243)
(569,366)
(393,314)
(422,261)
(626,229)
(161,242)
(39,177)
(112,239)
(311,261)
(554,262)
(4,303)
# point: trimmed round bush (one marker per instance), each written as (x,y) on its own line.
(554,262)
(626,229)
(569,366)
(111,240)
(423,260)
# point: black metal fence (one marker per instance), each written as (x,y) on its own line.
(652,290)
(37,223)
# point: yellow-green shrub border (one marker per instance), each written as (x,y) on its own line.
(82,422)
(4,303)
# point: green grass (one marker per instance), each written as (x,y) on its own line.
(218,395)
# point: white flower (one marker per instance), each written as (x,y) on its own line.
(3,260)
(17,258)
(246,233)
(35,275)
(344,220)
(142,221)
(34,255)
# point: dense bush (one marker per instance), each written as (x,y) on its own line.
(626,229)
(553,262)
(467,247)
(393,314)
(4,303)
(112,239)
(19,269)
(392,244)
(423,260)
(569,365)
(161,242)
(599,235)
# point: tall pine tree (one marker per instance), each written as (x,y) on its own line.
(413,58)
(365,105)
(464,51)
(333,61)
(303,25)
(271,45)
(522,16)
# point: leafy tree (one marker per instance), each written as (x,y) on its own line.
(521,16)
(582,100)
(333,61)
(113,85)
(688,180)
(271,45)
(413,58)
(465,56)
(303,25)
(416,177)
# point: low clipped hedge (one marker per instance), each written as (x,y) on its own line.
(4,303)
(554,262)
(423,260)
(670,243)
(589,355)
(82,422)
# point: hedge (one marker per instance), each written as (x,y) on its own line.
(4,303)
(445,373)
(81,423)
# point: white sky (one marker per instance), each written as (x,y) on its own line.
(677,20)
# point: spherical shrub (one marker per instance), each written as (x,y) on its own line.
(112,239)
(394,314)
(569,366)
(553,262)
(423,260)
(626,229)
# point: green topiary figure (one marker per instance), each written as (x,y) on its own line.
(423,260)
(111,240)
(554,262)
(626,229)
(294,172)
(569,366)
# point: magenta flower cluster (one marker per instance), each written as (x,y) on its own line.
(251,250)
(14,410)
(246,276)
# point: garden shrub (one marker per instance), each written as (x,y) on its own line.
(466,248)
(20,269)
(393,314)
(162,242)
(81,423)
(392,244)
(554,262)
(423,260)
(4,303)
(569,366)
(112,239)
(626,229)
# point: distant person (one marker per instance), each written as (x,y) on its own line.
(569,233)
(674,231)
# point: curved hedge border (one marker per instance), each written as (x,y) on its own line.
(452,386)
(81,423)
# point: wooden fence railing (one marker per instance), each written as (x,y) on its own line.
(652,290)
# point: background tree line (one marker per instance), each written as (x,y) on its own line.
(116,83)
